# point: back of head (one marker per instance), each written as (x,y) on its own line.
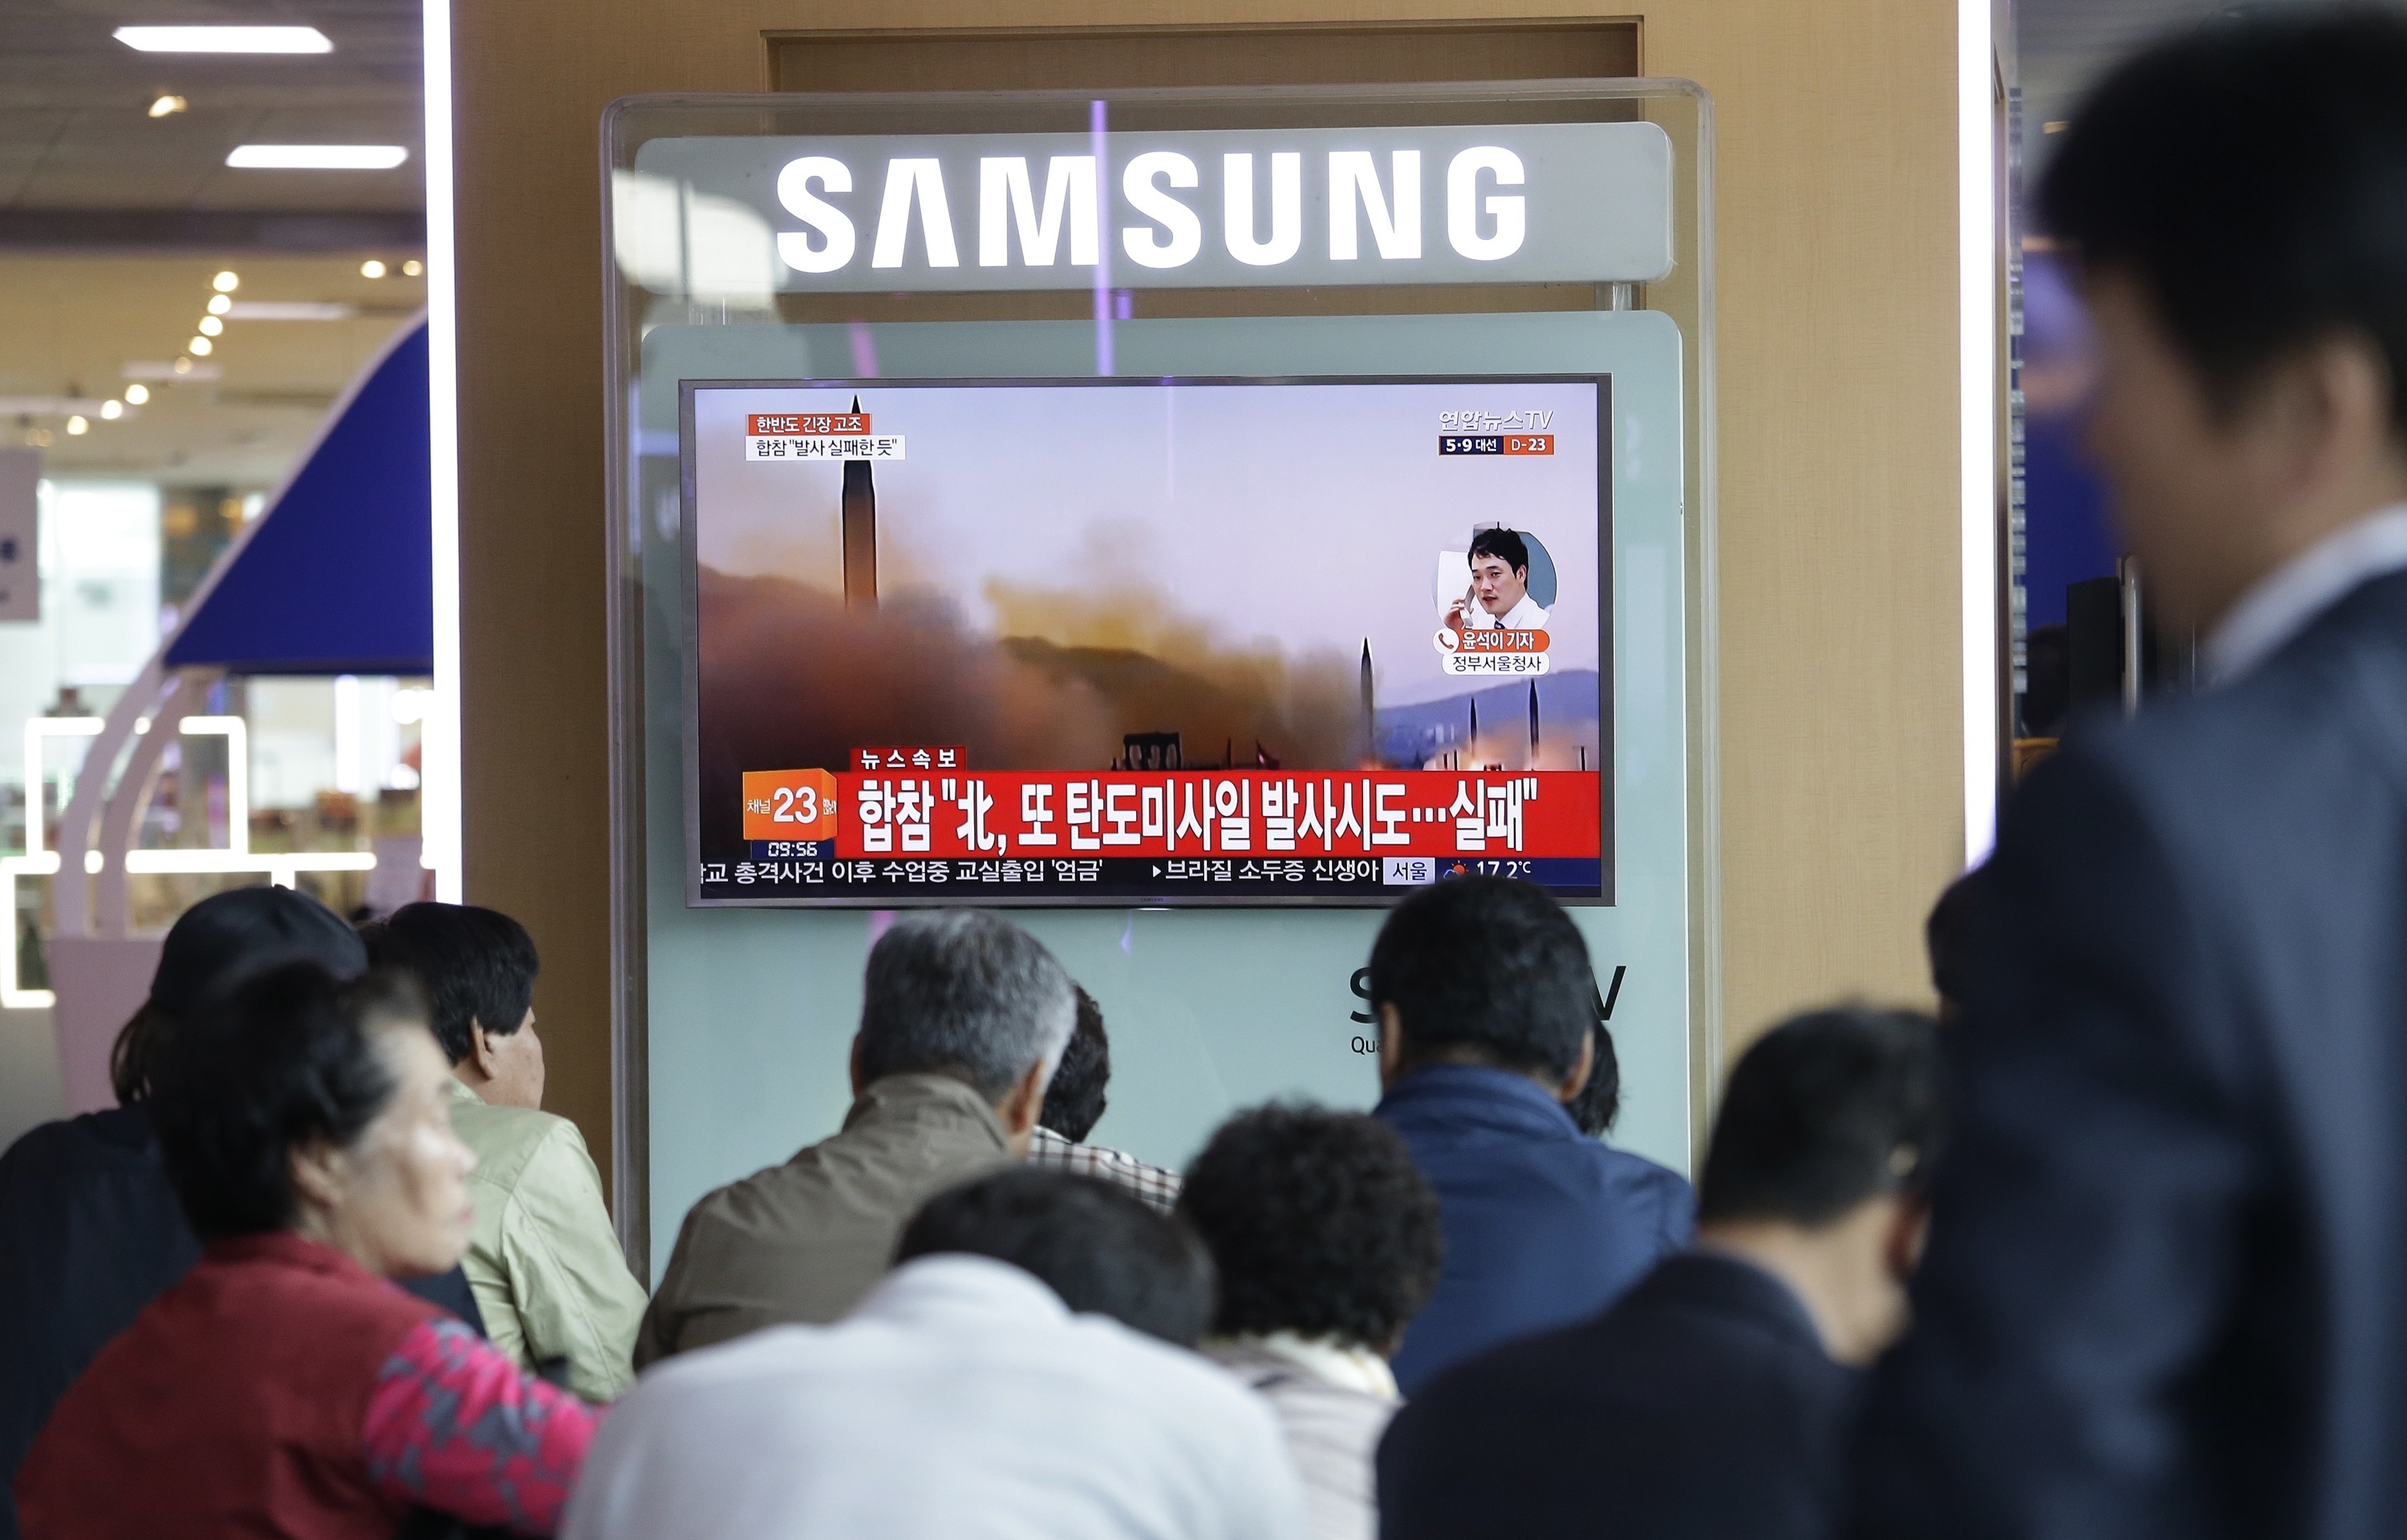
(1319,1224)
(1825,1111)
(2260,155)
(1487,969)
(213,946)
(478,966)
(1103,1251)
(1947,939)
(287,1059)
(1074,1097)
(962,992)
(1597,1106)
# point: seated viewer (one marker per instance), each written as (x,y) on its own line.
(963,1017)
(1486,1010)
(550,1280)
(285,1386)
(1713,1400)
(1022,1372)
(1074,1104)
(90,1228)
(1327,1240)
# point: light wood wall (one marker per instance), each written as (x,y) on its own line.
(1836,203)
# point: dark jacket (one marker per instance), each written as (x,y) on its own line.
(1701,1405)
(2166,1292)
(1543,1225)
(90,1234)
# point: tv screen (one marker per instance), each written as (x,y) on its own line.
(1144,642)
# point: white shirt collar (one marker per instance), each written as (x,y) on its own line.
(2285,602)
(1355,1368)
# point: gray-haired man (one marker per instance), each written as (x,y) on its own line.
(963,1016)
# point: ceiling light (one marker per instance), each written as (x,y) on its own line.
(40,438)
(225,39)
(371,269)
(78,425)
(219,304)
(183,366)
(166,107)
(112,410)
(316,157)
(136,394)
(211,326)
(225,283)
(412,268)
(199,348)
(290,310)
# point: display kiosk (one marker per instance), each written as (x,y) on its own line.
(1189,520)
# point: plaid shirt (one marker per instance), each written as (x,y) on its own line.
(1156,1186)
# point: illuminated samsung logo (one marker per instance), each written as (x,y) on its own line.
(1514,203)
(1483,222)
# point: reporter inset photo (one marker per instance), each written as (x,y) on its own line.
(1505,580)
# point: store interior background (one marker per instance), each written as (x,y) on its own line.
(117,215)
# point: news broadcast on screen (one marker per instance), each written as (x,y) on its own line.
(1145,641)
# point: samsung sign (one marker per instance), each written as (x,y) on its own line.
(1512,203)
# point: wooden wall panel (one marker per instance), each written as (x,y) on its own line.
(1841,746)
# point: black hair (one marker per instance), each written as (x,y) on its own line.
(1490,968)
(1597,1106)
(477,965)
(1074,1099)
(2250,173)
(1103,1251)
(1826,1110)
(1503,544)
(285,1060)
(1319,1224)
(1947,938)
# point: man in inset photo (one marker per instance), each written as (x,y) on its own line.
(1499,596)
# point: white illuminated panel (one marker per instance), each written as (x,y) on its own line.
(316,157)
(224,40)
(439,726)
(1977,254)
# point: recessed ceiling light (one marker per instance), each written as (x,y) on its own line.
(219,304)
(166,107)
(211,326)
(290,310)
(225,283)
(316,157)
(112,410)
(78,425)
(199,348)
(412,268)
(225,39)
(372,269)
(136,394)
(183,366)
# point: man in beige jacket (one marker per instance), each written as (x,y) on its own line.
(545,1263)
(964,1017)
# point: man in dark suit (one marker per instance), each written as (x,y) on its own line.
(2167,1286)
(1488,1029)
(1713,1400)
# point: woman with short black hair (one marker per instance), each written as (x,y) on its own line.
(286,1385)
(1326,1240)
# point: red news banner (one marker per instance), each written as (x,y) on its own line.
(889,811)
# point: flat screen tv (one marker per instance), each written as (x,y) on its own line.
(1145,641)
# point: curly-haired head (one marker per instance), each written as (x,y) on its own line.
(1321,1224)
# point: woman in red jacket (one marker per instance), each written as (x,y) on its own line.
(286,1387)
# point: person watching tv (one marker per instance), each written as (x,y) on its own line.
(1715,1398)
(1074,1104)
(91,1230)
(1024,1370)
(1487,1012)
(1500,587)
(963,1016)
(550,1280)
(1327,1240)
(285,1386)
